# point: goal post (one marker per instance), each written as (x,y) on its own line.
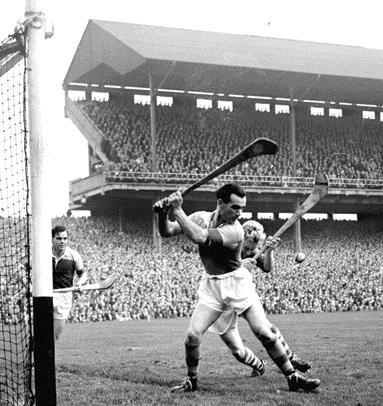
(26,288)
(41,192)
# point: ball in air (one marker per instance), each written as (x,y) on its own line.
(300,257)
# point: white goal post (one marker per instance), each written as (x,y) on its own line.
(41,201)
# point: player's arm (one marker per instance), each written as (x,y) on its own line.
(82,277)
(192,230)
(251,263)
(166,227)
(266,261)
(81,272)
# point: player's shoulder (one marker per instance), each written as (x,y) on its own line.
(201,217)
(237,227)
(234,230)
(71,253)
(201,213)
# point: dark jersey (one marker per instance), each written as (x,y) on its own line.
(221,253)
(65,267)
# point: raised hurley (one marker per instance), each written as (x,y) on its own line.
(260,146)
(319,192)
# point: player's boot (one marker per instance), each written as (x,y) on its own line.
(189,384)
(300,364)
(260,370)
(297,382)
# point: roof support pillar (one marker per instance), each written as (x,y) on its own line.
(153,131)
(293,133)
(293,145)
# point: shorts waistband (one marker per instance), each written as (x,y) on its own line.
(242,271)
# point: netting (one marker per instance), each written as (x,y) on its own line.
(15,278)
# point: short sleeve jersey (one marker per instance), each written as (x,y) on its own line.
(221,253)
(65,267)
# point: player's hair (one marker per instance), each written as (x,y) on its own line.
(251,225)
(254,231)
(57,230)
(225,191)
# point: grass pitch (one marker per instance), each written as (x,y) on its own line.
(135,363)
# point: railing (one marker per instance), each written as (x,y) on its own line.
(245,180)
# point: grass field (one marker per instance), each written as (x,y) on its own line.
(135,363)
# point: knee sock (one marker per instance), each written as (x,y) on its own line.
(192,359)
(249,358)
(280,337)
(278,354)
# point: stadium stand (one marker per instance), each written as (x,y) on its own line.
(198,140)
(191,141)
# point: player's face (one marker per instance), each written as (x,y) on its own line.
(231,211)
(59,241)
(248,248)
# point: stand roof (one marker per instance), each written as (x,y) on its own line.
(123,54)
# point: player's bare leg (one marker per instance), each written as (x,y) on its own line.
(242,353)
(58,326)
(298,363)
(258,323)
(203,317)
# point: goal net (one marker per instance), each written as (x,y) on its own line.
(15,273)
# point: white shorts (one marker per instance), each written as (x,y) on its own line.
(228,293)
(62,303)
(229,319)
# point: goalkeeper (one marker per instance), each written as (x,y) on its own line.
(66,263)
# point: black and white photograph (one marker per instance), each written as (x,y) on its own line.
(191,203)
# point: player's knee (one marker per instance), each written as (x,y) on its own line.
(192,338)
(238,353)
(266,336)
(57,333)
(235,348)
(273,329)
(58,328)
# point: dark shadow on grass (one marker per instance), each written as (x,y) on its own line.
(111,374)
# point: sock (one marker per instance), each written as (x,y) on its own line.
(278,354)
(249,358)
(192,359)
(280,337)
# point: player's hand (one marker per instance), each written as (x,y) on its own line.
(162,206)
(272,243)
(78,287)
(249,263)
(175,200)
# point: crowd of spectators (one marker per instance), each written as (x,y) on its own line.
(191,140)
(147,284)
(14,278)
(342,272)
(344,266)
